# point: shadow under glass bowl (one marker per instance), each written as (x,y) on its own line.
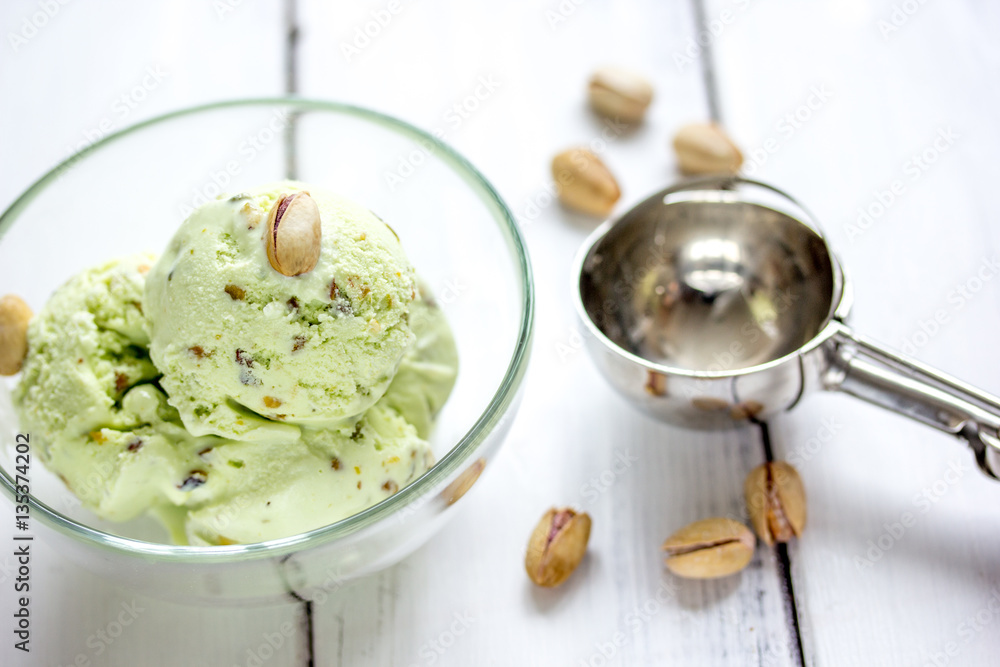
(129,192)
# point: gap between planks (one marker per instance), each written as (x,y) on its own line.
(291,56)
(785,567)
(784,563)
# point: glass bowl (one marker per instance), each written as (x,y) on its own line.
(129,191)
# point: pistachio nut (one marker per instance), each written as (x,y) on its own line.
(656,383)
(557,546)
(14,317)
(746,410)
(620,94)
(293,234)
(709,404)
(458,488)
(705,148)
(584,183)
(709,548)
(776,501)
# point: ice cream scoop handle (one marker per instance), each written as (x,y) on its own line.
(867,370)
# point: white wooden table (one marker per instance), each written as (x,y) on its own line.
(833,100)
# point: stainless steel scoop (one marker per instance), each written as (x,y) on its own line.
(718,301)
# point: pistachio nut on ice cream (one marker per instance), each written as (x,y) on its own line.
(274,410)
(245,331)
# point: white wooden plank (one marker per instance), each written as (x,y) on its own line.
(80,619)
(84,73)
(93,68)
(869,591)
(536,110)
(464,598)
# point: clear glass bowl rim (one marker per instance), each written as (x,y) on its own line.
(452,461)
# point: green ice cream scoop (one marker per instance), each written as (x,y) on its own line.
(86,395)
(429,368)
(256,492)
(90,395)
(87,346)
(249,353)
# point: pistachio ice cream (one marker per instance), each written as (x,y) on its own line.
(241,345)
(148,384)
(86,348)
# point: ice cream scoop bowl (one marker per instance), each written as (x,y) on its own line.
(718,301)
(453,224)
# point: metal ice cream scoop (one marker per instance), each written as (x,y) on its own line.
(718,300)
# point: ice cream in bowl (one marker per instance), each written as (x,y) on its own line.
(249,373)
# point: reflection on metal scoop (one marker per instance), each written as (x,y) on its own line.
(718,300)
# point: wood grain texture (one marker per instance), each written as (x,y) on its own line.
(517,72)
(898,564)
(91,69)
(465,599)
